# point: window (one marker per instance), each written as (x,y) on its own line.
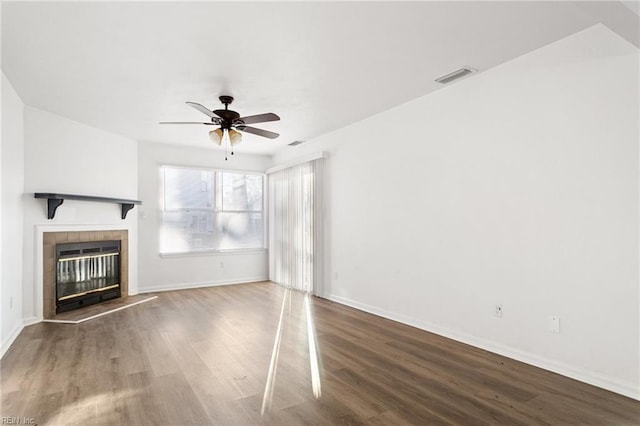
(206,210)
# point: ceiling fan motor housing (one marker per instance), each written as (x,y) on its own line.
(229,117)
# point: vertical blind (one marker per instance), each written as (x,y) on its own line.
(294,226)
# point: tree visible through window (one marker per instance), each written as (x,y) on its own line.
(211,210)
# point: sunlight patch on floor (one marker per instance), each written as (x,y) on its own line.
(273,365)
(314,364)
(313,353)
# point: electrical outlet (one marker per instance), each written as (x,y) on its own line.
(499,310)
(554,324)
(221,265)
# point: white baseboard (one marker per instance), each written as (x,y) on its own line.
(185,286)
(614,385)
(31,320)
(8,341)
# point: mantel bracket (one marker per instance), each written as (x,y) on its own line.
(125,209)
(52,206)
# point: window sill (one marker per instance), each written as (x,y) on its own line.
(212,253)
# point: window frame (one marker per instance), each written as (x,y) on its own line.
(214,210)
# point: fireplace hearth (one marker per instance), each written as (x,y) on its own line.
(86,273)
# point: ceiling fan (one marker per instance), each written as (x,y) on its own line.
(230,122)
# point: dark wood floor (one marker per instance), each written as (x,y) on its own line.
(207,356)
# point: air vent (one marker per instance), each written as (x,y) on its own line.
(462,72)
(294,143)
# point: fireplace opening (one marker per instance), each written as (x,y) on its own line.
(86,273)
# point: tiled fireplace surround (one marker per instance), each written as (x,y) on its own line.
(49,241)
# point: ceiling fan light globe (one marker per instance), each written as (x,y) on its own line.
(216,136)
(235,137)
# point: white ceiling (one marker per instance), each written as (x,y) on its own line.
(123,67)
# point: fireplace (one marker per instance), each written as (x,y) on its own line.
(86,273)
(82,268)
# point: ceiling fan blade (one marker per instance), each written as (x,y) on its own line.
(260,118)
(203,109)
(259,132)
(186,122)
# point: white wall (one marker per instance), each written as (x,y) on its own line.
(517,186)
(64,156)
(164,273)
(12,188)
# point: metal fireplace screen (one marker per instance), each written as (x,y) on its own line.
(86,273)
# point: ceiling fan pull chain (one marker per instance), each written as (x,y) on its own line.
(226,143)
